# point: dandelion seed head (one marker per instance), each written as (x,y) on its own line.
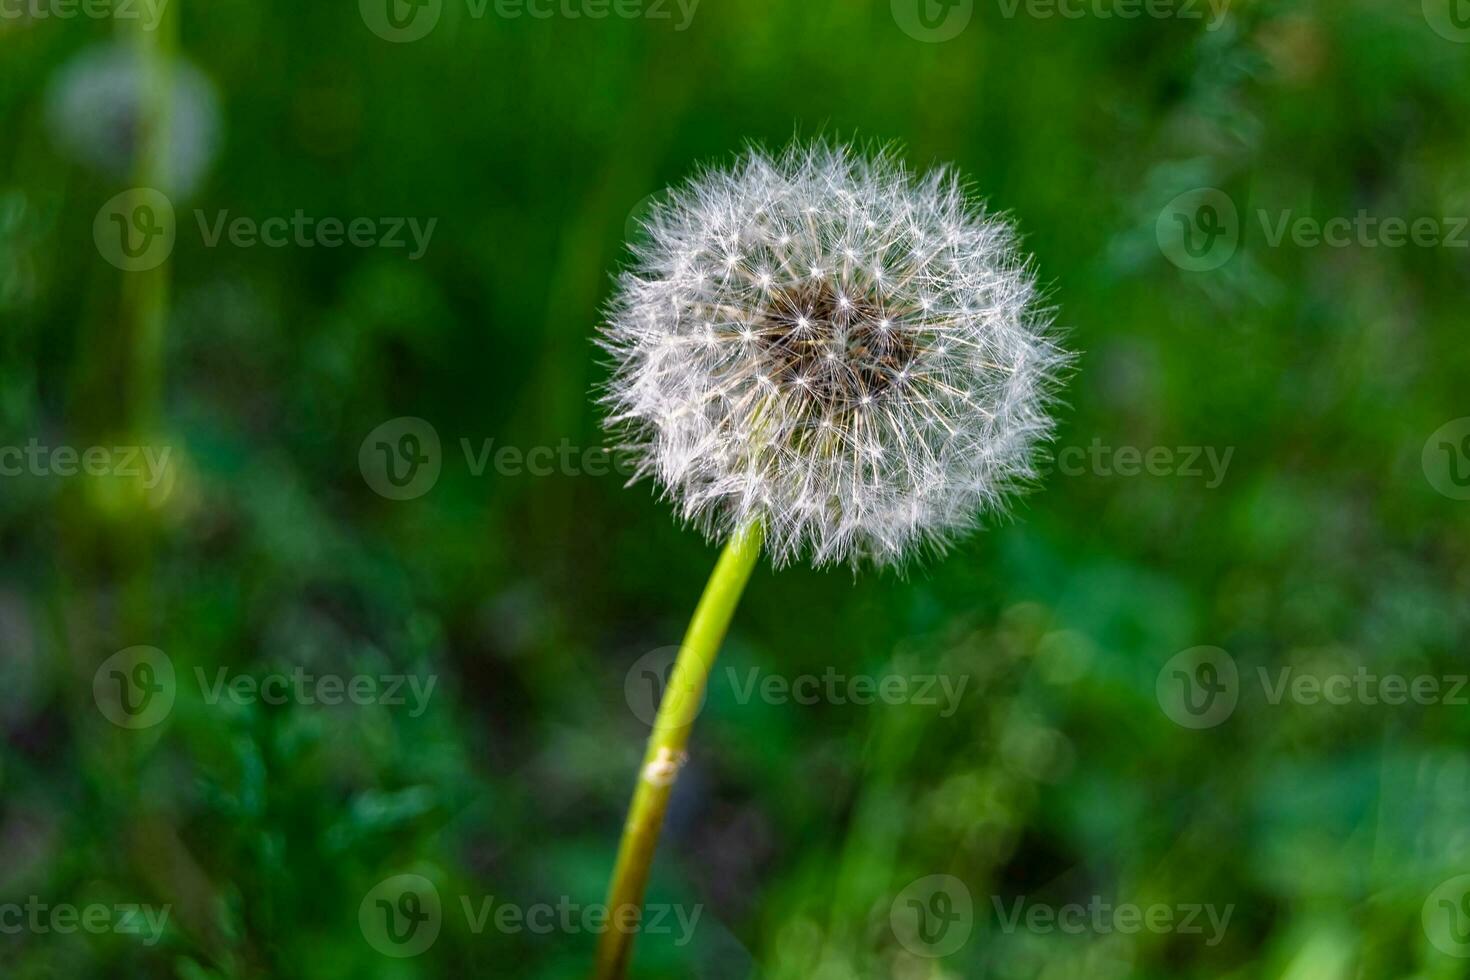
(874,377)
(94,109)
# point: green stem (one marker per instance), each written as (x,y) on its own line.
(145,293)
(683,696)
(144,312)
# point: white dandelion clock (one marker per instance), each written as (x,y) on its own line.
(95,108)
(824,355)
(828,345)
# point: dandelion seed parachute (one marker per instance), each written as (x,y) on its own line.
(827,343)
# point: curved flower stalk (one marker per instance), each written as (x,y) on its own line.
(821,351)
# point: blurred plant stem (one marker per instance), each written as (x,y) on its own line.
(145,295)
(682,698)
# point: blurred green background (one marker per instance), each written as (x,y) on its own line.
(1333,542)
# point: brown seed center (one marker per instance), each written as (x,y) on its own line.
(840,348)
